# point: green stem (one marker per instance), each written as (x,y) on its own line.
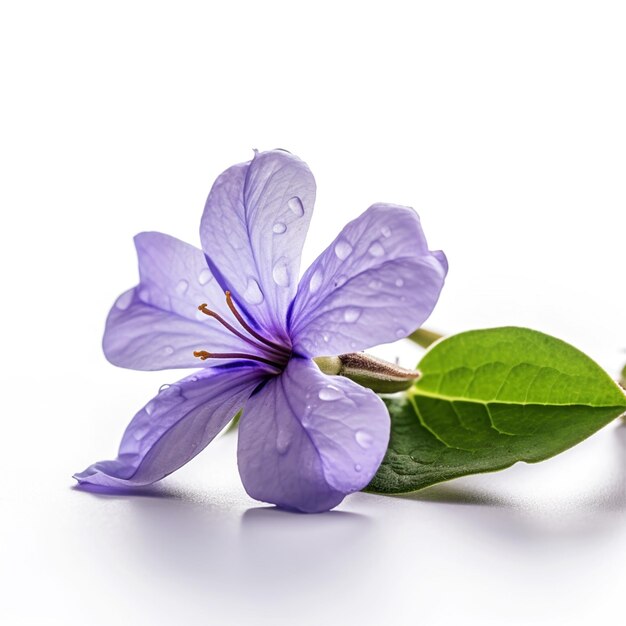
(423,337)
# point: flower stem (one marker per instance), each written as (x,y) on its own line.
(423,337)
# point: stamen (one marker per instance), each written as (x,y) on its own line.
(203,355)
(205,309)
(244,324)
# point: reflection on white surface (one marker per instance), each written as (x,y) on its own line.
(196,548)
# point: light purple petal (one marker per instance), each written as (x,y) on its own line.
(377,282)
(252,230)
(307,439)
(157,324)
(175,426)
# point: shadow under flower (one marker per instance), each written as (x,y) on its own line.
(447,493)
(150,491)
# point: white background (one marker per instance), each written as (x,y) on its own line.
(502,123)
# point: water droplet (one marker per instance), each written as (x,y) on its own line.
(325,337)
(386,231)
(163,387)
(340,280)
(365,440)
(144,295)
(253,293)
(283,441)
(376,249)
(343,249)
(123,302)
(316,281)
(295,204)
(375,284)
(150,407)
(141,431)
(400,333)
(182,287)
(330,393)
(351,314)
(357,468)
(205,276)
(279,228)
(280,273)
(399,282)
(168,350)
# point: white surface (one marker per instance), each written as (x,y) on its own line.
(502,123)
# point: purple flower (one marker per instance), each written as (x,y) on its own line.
(306,439)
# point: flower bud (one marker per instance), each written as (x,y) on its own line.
(368,371)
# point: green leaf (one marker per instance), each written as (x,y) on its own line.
(489,398)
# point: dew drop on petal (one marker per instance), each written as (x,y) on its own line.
(386,231)
(141,431)
(325,337)
(280,273)
(295,204)
(168,350)
(399,282)
(181,287)
(283,441)
(316,281)
(343,249)
(253,293)
(376,249)
(357,468)
(149,409)
(351,314)
(375,284)
(330,393)
(365,440)
(163,387)
(340,280)
(123,302)
(400,333)
(205,276)
(144,295)
(279,228)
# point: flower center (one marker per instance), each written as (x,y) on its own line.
(273,353)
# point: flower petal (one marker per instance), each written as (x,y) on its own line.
(175,426)
(157,324)
(377,282)
(306,440)
(252,230)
